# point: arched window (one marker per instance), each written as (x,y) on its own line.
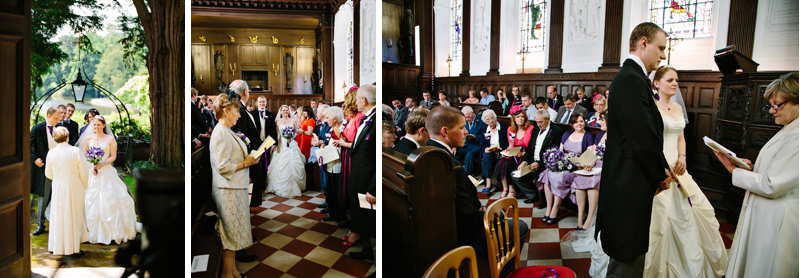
(456,28)
(683,18)
(532,25)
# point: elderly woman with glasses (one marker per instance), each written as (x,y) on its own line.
(494,139)
(766,242)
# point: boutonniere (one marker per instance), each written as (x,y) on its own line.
(367,138)
(512,136)
(368,122)
(656,96)
(266,117)
(488,135)
(243,137)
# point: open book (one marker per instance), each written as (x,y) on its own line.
(362,202)
(587,158)
(511,152)
(492,148)
(519,173)
(474,181)
(728,153)
(327,154)
(267,143)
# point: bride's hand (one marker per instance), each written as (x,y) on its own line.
(680,166)
(94,171)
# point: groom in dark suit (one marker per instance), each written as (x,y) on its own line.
(41,142)
(543,137)
(265,127)
(71,126)
(634,148)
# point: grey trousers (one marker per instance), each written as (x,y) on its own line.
(527,184)
(623,270)
(44,201)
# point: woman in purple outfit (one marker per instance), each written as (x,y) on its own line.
(584,186)
(560,183)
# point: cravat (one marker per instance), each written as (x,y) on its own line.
(261,112)
(51,129)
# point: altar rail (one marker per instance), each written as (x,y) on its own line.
(419,209)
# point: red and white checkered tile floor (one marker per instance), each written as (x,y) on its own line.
(544,246)
(294,242)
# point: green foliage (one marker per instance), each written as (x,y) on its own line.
(145,164)
(136,91)
(133,42)
(47,16)
(139,127)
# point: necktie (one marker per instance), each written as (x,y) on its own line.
(566,117)
(51,130)
(554,103)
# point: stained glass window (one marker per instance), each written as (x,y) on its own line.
(683,18)
(350,61)
(532,25)
(456,11)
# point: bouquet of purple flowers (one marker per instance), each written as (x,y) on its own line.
(556,160)
(288,133)
(94,155)
(600,150)
(243,137)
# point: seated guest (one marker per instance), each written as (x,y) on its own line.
(570,107)
(491,142)
(471,151)
(553,99)
(519,134)
(516,97)
(573,141)
(486,97)
(388,134)
(411,104)
(443,98)
(426,99)
(606,93)
(200,129)
(448,131)
(589,185)
(416,134)
(599,107)
(541,103)
(501,97)
(544,137)
(527,105)
(584,100)
(473,98)
(400,113)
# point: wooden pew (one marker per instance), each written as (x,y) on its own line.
(418,210)
(204,236)
(565,127)
(475,107)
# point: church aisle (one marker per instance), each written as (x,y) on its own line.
(293,242)
(543,242)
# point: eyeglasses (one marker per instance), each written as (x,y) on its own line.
(776,106)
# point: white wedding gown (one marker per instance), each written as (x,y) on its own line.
(110,213)
(684,238)
(684,234)
(286,176)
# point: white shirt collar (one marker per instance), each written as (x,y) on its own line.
(638,62)
(412,140)
(443,144)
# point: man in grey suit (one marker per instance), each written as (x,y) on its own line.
(41,142)
(569,108)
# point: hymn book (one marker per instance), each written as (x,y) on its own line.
(519,173)
(493,148)
(474,181)
(511,152)
(327,154)
(362,202)
(261,149)
(587,158)
(726,152)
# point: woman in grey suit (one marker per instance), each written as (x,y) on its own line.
(230,179)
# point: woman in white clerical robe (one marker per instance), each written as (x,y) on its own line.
(67,219)
(766,240)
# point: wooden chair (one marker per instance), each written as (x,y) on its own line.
(453,260)
(503,246)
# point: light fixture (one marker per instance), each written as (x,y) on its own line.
(79,87)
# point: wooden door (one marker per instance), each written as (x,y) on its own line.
(15,75)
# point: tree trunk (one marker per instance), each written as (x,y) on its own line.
(164,28)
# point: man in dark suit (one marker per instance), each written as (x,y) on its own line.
(265,127)
(41,142)
(553,99)
(543,137)
(364,172)
(71,126)
(247,125)
(426,99)
(400,115)
(416,134)
(570,107)
(471,151)
(634,148)
(199,126)
(448,130)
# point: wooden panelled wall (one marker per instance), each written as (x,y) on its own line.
(264,55)
(275,101)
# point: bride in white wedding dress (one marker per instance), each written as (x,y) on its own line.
(286,176)
(110,213)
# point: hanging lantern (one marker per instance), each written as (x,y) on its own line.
(79,88)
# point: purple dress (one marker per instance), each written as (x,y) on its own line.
(561,182)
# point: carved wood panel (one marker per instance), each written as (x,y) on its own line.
(203,61)
(15,34)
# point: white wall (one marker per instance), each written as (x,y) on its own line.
(441,38)
(776,39)
(341,25)
(480,42)
(584,26)
(366,67)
